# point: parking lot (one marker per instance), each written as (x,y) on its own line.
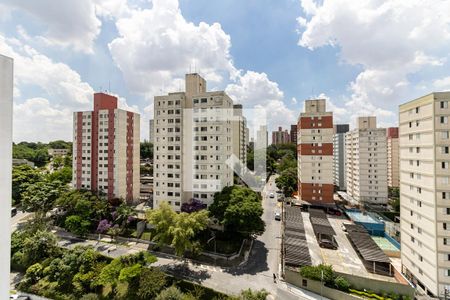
(344,259)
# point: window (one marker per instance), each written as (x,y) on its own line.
(444,150)
(417,110)
(444,226)
(444,241)
(444,120)
(444,104)
(444,135)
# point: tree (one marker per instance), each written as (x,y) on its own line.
(78,225)
(239,209)
(192,205)
(151,282)
(38,247)
(287,181)
(171,293)
(63,175)
(253,295)
(177,230)
(123,214)
(41,196)
(146,150)
(22,177)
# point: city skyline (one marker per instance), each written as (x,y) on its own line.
(72,63)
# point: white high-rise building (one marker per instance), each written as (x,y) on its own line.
(196,132)
(339,156)
(366,162)
(6,105)
(106,149)
(151,131)
(424,133)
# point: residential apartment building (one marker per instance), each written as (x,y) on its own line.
(366,162)
(196,132)
(106,149)
(262,137)
(393,156)
(151,131)
(280,137)
(6,112)
(293,134)
(240,134)
(315,153)
(339,156)
(424,141)
(57,152)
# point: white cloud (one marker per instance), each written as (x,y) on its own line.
(37,120)
(255,90)
(443,83)
(390,40)
(157,46)
(69,23)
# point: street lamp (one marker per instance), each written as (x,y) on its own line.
(215,249)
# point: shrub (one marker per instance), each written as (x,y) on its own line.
(341,283)
(316,273)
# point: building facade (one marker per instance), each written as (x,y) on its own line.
(106,149)
(424,142)
(58,152)
(393,156)
(151,131)
(262,137)
(366,162)
(315,154)
(280,137)
(6,113)
(339,156)
(196,132)
(293,134)
(240,134)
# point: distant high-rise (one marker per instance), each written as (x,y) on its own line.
(393,156)
(424,133)
(339,155)
(315,153)
(151,132)
(280,137)
(196,132)
(6,105)
(293,134)
(262,137)
(106,149)
(366,162)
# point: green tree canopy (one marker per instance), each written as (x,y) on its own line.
(287,181)
(146,150)
(177,230)
(22,177)
(238,209)
(41,196)
(64,175)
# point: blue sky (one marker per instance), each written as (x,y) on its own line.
(364,57)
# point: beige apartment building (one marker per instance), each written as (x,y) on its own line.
(106,149)
(393,156)
(315,153)
(425,192)
(196,132)
(366,162)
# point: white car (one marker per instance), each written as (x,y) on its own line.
(271,195)
(277,216)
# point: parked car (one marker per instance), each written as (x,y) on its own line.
(271,195)
(13,211)
(327,244)
(277,216)
(343,226)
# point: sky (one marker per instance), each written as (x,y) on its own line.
(365,57)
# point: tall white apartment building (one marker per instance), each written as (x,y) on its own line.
(425,192)
(240,134)
(6,114)
(366,162)
(339,156)
(106,149)
(393,156)
(195,135)
(151,131)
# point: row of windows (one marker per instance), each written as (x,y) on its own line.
(170,102)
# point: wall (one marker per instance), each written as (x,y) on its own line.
(294,278)
(378,286)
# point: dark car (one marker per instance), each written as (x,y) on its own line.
(327,244)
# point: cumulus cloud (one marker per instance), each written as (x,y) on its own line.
(157,46)
(256,90)
(443,83)
(390,40)
(69,23)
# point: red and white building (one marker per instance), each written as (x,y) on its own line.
(106,149)
(315,154)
